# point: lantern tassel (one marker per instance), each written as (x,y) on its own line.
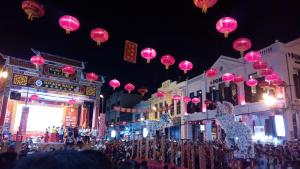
(226,34)
(67,74)
(98,43)
(148,60)
(167,67)
(185,71)
(242,53)
(204,8)
(68,32)
(30,18)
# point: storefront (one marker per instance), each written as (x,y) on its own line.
(45,97)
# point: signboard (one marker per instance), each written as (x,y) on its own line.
(71,117)
(130,52)
(23,122)
(57,72)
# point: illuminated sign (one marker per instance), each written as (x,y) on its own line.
(57,72)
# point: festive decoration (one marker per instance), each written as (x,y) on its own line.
(91,76)
(160,94)
(272,77)
(37,61)
(264,84)
(33,9)
(251,82)
(226,25)
(228,77)
(34,97)
(195,100)
(241,134)
(266,71)
(260,65)
(167,60)
(176,98)
(148,54)
(205,4)
(129,87)
(99,35)
(68,70)
(69,23)
(114,83)
(143,90)
(252,56)
(211,73)
(187,99)
(185,66)
(238,79)
(277,82)
(72,102)
(242,45)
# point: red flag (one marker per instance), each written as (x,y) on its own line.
(130,52)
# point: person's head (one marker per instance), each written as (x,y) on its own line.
(65,160)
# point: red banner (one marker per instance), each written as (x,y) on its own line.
(130,52)
(71,117)
(23,122)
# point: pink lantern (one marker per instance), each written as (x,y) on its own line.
(69,23)
(114,83)
(252,56)
(195,100)
(211,73)
(187,99)
(34,97)
(228,77)
(143,90)
(37,61)
(205,4)
(91,76)
(148,54)
(129,87)
(72,102)
(251,82)
(99,35)
(167,60)
(271,77)
(160,94)
(242,45)
(260,65)
(277,82)
(185,66)
(266,71)
(68,70)
(238,79)
(33,9)
(226,25)
(176,98)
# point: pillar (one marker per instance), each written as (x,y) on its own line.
(3,107)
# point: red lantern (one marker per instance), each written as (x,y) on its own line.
(226,25)
(228,77)
(33,8)
(251,82)
(148,54)
(114,83)
(143,91)
(72,102)
(238,79)
(69,23)
(260,65)
(272,77)
(34,97)
(187,99)
(176,98)
(167,60)
(242,45)
(195,100)
(37,61)
(252,56)
(185,66)
(160,94)
(266,71)
(68,70)
(277,82)
(129,87)
(264,84)
(99,35)
(211,73)
(91,76)
(205,4)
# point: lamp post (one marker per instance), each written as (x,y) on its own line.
(102,100)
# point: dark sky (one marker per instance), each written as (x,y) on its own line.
(174,27)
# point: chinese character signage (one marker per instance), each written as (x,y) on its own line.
(57,72)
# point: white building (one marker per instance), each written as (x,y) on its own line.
(250,107)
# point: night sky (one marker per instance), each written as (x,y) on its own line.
(174,27)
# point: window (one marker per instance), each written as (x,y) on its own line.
(172,108)
(178,107)
(190,107)
(156,114)
(254,94)
(160,109)
(296,77)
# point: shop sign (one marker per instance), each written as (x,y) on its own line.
(216,81)
(57,72)
(55,85)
